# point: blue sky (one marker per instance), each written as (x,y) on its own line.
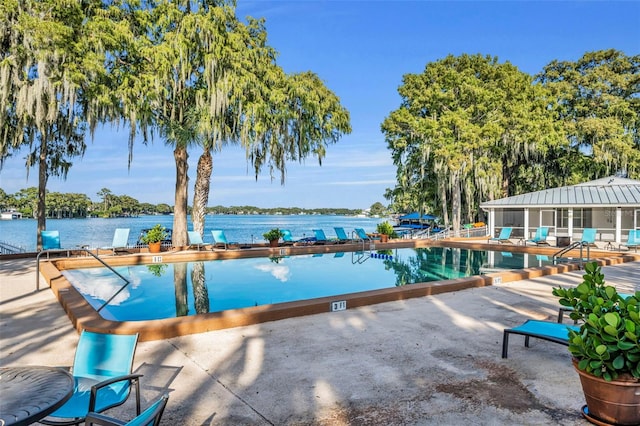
(361,50)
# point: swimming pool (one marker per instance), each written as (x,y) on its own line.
(170,290)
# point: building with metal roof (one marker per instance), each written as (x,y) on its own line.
(611,205)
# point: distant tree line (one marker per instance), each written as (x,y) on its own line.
(72,205)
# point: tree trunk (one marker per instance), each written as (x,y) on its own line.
(201,191)
(443,202)
(42,192)
(456,200)
(180,287)
(200,292)
(180,237)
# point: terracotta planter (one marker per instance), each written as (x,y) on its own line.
(615,402)
(273,243)
(155,247)
(384,238)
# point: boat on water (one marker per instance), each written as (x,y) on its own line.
(10,215)
(415,222)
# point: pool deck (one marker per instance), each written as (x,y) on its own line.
(419,361)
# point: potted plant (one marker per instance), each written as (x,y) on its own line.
(153,238)
(273,236)
(606,349)
(386,231)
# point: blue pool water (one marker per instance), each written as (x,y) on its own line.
(159,291)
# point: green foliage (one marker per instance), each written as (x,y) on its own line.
(377,209)
(157,269)
(608,343)
(273,234)
(597,105)
(155,234)
(387,229)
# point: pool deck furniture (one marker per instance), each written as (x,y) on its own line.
(29,394)
(342,235)
(545,330)
(150,416)
(633,240)
(540,238)
(504,236)
(321,237)
(103,379)
(589,237)
(220,239)
(195,240)
(120,241)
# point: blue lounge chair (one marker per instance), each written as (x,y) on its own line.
(321,237)
(120,241)
(362,235)
(50,240)
(220,239)
(541,236)
(633,240)
(589,237)
(504,236)
(102,375)
(545,330)
(195,239)
(150,416)
(342,235)
(287,238)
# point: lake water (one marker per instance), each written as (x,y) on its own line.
(98,232)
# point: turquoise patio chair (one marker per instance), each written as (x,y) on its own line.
(541,236)
(150,416)
(321,237)
(362,235)
(219,238)
(633,240)
(120,241)
(342,235)
(589,237)
(102,375)
(195,239)
(545,330)
(504,236)
(287,238)
(50,240)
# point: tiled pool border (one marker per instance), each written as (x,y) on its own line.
(83,316)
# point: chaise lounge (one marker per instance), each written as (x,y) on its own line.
(545,330)
(504,236)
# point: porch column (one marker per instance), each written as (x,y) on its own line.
(570,221)
(492,222)
(526,223)
(618,225)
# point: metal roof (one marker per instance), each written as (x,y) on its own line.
(607,192)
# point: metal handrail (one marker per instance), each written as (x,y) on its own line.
(573,246)
(77,249)
(8,248)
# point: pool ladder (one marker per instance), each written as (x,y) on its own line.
(68,251)
(572,247)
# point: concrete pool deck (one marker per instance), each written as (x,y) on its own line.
(420,361)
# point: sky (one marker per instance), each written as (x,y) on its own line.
(361,50)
